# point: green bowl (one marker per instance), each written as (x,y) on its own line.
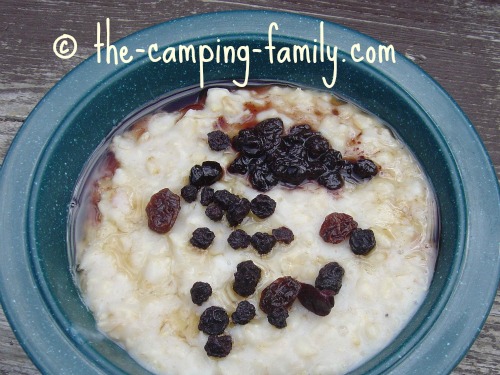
(44,162)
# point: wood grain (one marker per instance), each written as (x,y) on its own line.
(456,42)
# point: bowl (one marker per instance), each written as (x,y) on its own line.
(41,169)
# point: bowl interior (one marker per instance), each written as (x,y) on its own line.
(138,83)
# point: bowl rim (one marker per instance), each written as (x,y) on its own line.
(21,299)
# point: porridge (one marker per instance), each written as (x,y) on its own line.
(267,231)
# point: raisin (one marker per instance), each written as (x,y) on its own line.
(205,174)
(213,321)
(202,238)
(225,199)
(196,176)
(239,239)
(212,172)
(219,346)
(246,278)
(298,134)
(235,142)
(293,151)
(337,227)
(189,193)
(365,168)
(263,206)
(237,212)
(362,241)
(269,132)
(272,127)
(318,301)
(300,129)
(245,312)
(239,165)
(332,160)
(290,170)
(262,178)
(331,180)
(206,195)
(281,292)
(214,212)
(218,140)
(248,143)
(200,292)
(315,170)
(330,277)
(263,242)
(162,210)
(347,168)
(316,145)
(283,234)
(278,317)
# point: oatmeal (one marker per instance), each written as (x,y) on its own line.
(150,281)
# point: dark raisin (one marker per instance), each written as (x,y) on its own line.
(290,170)
(237,212)
(219,346)
(200,292)
(281,292)
(248,143)
(300,129)
(218,140)
(239,239)
(330,277)
(316,145)
(202,238)
(315,169)
(332,160)
(298,134)
(331,180)
(189,193)
(214,212)
(213,321)
(362,241)
(239,165)
(283,234)
(256,163)
(294,151)
(270,144)
(196,176)
(270,127)
(318,301)
(347,168)
(365,168)
(263,206)
(269,132)
(262,178)
(206,195)
(278,317)
(245,312)
(225,199)
(337,227)
(246,278)
(263,242)
(205,174)
(162,210)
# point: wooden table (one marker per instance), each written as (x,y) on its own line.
(456,42)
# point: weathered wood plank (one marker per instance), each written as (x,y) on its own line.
(455,42)
(483,357)
(13,360)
